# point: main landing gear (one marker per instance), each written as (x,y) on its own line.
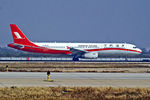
(75,59)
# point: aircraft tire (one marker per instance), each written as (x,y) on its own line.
(75,59)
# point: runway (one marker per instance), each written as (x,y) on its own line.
(24,79)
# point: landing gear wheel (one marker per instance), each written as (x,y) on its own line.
(75,59)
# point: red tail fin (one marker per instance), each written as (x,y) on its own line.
(19,37)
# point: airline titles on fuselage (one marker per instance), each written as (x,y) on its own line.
(85,46)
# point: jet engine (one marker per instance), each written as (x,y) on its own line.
(90,55)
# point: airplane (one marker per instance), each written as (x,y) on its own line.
(76,50)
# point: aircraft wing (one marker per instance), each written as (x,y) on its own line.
(77,52)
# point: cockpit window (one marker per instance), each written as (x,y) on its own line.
(134,47)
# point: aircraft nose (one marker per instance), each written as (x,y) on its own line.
(139,50)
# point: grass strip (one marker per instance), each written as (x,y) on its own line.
(74,93)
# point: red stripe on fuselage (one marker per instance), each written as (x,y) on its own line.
(122,49)
(40,49)
(46,50)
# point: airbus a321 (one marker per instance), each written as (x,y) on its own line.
(76,50)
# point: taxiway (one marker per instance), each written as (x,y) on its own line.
(24,79)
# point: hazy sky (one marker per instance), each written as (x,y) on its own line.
(77,20)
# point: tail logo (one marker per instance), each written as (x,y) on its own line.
(17,35)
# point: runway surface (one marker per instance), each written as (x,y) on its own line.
(75,79)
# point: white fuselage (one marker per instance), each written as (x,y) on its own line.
(100,48)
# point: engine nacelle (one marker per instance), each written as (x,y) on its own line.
(90,55)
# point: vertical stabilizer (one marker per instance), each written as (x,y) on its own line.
(19,37)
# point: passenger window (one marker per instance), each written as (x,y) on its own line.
(117,45)
(110,45)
